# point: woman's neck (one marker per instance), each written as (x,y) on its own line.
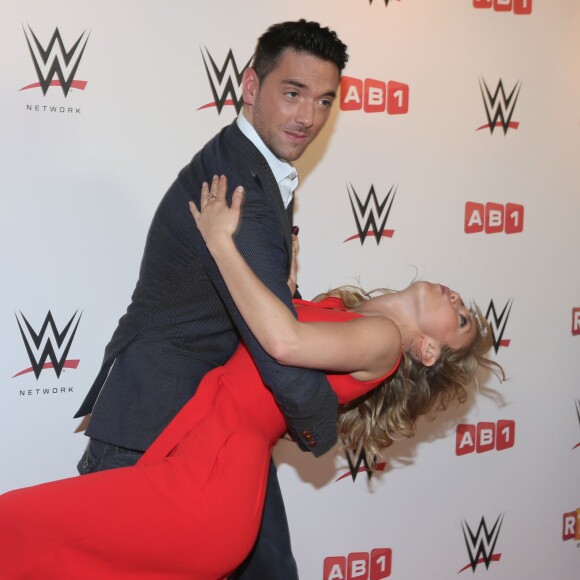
(389,306)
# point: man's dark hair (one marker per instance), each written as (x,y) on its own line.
(302,36)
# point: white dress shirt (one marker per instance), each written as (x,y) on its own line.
(285,174)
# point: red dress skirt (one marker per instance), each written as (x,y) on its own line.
(189,509)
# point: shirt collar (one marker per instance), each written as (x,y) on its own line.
(282,171)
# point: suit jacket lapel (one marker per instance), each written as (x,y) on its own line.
(263,177)
(290,212)
(266,182)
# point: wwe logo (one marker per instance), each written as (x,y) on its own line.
(371,216)
(225,83)
(47,343)
(498,323)
(481,545)
(55,60)
(355,460)
(578,415)
(499,107)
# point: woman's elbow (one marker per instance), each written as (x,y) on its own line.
(282,350)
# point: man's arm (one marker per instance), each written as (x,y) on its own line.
(304,396)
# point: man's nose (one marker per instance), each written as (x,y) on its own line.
(305,114)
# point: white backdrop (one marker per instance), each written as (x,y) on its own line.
(82,174)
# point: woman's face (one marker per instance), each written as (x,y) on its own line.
(441,315)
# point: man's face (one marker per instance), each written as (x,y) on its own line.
(290,107)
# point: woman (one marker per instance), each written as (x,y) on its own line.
(191,507)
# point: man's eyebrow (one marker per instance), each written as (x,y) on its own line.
(300,85)
(294,83)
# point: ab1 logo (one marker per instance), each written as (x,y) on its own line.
(571,526)
(493,218)
(485,436)
(359,565)
(575,321)
(518,6)
(374,96)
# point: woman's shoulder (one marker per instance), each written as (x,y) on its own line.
(330,302)
(327,310)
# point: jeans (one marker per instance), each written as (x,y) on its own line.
(99,456)
(271,556)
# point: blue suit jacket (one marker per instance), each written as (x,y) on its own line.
(182,322)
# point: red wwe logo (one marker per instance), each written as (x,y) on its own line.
(359,565)
(374,96)
(517,6)
(493,218)
(484,436)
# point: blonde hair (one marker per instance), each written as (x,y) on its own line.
(390,411)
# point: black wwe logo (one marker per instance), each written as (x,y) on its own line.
(578,415)
(355,460)
(55,60)
(499,107)
(225,83)
(371,215)
(481,544)
(48,342)
(498,323)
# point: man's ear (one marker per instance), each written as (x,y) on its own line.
(430,351)
(250,85)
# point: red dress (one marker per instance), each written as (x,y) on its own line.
(189,509)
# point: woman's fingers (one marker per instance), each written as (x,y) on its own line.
(220,187)
(204,194)
(214,213)
(194,211)
(237,198)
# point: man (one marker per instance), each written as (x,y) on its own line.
(182,322)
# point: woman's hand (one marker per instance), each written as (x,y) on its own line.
(215,220)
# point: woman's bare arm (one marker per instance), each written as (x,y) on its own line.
(366,347)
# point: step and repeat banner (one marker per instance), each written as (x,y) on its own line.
(451,155)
